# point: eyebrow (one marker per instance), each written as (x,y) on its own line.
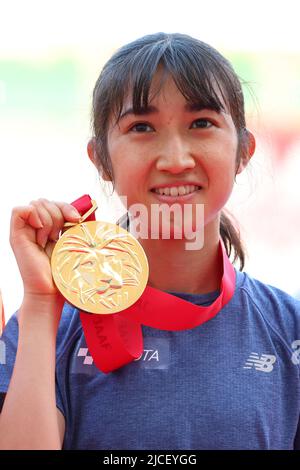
(189,107)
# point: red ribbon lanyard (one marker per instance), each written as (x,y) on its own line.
(115,340)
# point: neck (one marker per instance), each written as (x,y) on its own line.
(175,269)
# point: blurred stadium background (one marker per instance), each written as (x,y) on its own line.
(51,54)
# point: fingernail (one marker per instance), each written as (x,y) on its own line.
(74,213)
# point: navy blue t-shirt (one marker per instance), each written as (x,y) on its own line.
(230,383)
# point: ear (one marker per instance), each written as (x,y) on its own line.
(92,153)
(248,151)
(91,150)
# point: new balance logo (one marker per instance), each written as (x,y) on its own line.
(83,352)
(264,363)
(296,355)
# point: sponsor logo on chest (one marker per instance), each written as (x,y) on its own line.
(155,355)
(263,363)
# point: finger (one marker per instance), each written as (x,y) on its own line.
(24,215)
(57,218)
(42,234)
(60,212)
(34,218)
(69,212)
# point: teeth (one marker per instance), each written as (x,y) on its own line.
(176,190)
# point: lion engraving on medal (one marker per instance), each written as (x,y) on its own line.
(99,267)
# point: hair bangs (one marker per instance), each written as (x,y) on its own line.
(197,78)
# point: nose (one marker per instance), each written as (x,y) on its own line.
(174,156)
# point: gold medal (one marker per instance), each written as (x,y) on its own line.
(99,267)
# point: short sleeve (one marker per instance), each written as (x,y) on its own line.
(8,349)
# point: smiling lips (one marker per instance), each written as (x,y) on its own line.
(175,191)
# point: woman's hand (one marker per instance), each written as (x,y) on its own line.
(34,229)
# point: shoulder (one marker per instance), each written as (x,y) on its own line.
(279,309)
(266,295)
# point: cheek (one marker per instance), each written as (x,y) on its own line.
(221,170)
(127,183)
(223,181)
(222,162)
(130,176)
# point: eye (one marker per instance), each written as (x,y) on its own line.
(141,127)
(201,124)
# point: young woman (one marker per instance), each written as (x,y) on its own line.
(169,127)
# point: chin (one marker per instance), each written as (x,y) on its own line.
(172,231)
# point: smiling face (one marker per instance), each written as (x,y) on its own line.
(174,151)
